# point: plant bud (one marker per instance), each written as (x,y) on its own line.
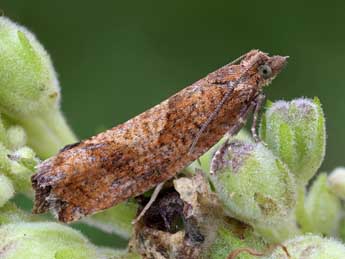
(255,187)
(295,132)
(336,182)
(10,213)
(233,235)
(310,246)
(12,164)
(204,161)
(16,137)
(45,241)
(6,189)
(29,90)
(322,207)
(27,79)
(26,157)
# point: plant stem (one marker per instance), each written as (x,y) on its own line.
(47,132)
(301,214)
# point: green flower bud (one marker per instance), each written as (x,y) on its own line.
(29,90)
(45,241)
(26,157)
(116,220)
(256,188)
(27,78)
(295,132)
(6,189)
(204,161)
(16,137)
(310,246)
(322,208)
(10,213)
(336,182)
(20,176)
(12,165)
(234,235)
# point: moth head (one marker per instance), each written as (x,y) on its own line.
(272,67)
(262,66)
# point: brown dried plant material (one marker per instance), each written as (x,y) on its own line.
(131,158)
(191,199)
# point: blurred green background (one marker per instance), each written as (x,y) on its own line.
(115,59)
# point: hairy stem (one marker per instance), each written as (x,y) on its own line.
(47,132)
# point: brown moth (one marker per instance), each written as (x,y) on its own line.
(133,157)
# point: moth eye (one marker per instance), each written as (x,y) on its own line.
(265,71)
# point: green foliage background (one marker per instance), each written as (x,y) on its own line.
(115,59)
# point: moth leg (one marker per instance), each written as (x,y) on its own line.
(242,120)
(258,102)
(151,201)
(217,161)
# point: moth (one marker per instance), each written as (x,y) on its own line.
(133,157)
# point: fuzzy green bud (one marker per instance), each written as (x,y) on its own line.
(310,246)
(336,182)
(28,83)
(29,90)
(322,208)
(16,137)
(12,164)
(45,241)
(204,161)
(6,189)
(255,187)
(295,132)
(234,235)
(10,213)
(26,157)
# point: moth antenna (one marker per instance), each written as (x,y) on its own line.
(231,87)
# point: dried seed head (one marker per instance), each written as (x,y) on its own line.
(181,223)
(295,132)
